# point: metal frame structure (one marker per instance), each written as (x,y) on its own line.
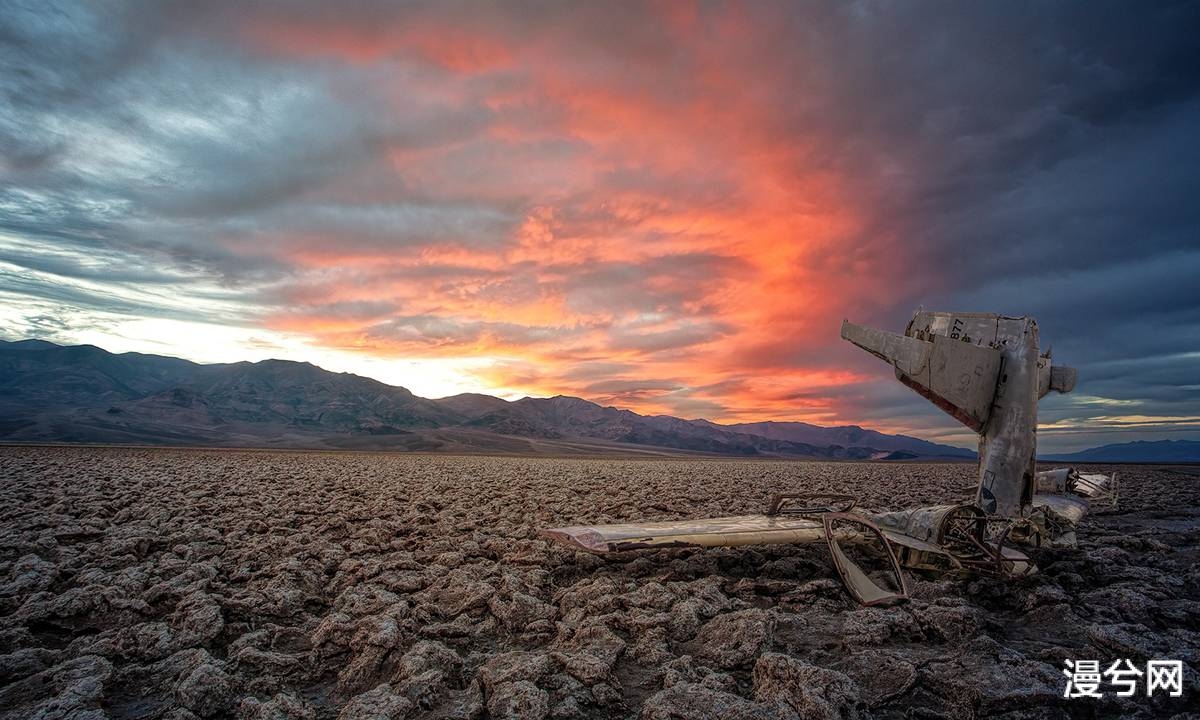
(986,371)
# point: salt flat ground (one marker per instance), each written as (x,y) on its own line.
(220,583)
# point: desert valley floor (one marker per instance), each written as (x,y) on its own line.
(193,583)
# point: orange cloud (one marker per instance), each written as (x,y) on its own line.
(655,206)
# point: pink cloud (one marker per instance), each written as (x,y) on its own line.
(655,196)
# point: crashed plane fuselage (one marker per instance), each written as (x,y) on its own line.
(988,372)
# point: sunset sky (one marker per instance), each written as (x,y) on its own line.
(667,207)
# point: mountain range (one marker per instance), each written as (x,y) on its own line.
(1151,451)
(83,394)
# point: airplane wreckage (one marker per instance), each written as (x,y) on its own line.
(988,372)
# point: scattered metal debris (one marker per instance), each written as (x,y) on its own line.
(986,371)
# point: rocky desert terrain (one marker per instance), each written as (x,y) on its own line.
(225,583)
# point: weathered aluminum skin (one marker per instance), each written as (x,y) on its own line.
(860,585)
(1070,507)
(914,536)
(959,378)
(923,523)
(1097,487)
(713,532)
(985,370)
(1052,481)
(1069,481)
(833,528)
(1008,443)
(926,524)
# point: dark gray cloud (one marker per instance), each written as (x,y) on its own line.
(451,332)
(248,163)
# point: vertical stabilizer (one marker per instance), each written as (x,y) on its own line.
(985,370)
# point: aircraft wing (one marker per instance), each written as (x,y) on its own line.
(832,528)
(714,532)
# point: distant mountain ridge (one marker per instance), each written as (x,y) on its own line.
(847,435)
(54,393)
(1165,451)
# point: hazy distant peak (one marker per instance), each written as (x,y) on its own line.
(1166,451)
(30,344)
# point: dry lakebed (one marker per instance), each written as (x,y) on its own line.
(180,584)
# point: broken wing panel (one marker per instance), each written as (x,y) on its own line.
(908,355)
(1070,507)
(832,527)
(714,532)
(1097,487)
(957,376)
